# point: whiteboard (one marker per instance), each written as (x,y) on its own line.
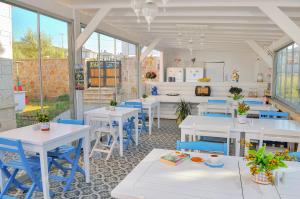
(215,71)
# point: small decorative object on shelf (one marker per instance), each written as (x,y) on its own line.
(150,75)
(154,90)
(113,104)
(235,75)
(242,110)
(193,60)
(236,93)
(204,79)
(262,164)
(260,77)
(44,121)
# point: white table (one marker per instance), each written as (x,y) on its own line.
(287,130)
(151,105)
(41,142)
(152,179)
(120,114)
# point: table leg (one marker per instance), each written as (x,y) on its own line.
(121,135)
(158,116)
(150,120)
(136,123)
(86,150)
(44,171)
(2,176)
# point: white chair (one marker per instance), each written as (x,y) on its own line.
(104,130)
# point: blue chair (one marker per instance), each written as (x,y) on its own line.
(296,155)
(273,115)
(217,101)
(208,114)
(10,169)
(65,153)
(142,115)
(202,146)
(253,102)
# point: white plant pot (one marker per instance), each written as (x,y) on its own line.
(45,126)
(260,178)
(242,119)
(112,108)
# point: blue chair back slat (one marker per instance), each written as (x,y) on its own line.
(75,122)
(208,114)
(296,155)
(253,102)
(273,115)
(203,146)
(216,101)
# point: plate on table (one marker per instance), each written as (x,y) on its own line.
(218,164)
(173,94)
(197,159)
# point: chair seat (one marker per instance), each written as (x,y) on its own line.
(61,151)
(33,162)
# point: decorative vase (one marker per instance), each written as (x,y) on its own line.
(242,119)
(45,126)
(260,178)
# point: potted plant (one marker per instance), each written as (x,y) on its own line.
(144,96)
(113,104)
(150,75)
(44,121)
(242,110)
(182,111)
(236,93)
(263,164)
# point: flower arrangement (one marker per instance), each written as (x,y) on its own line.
(150,75)
(113,103)
(242,109)
(263,164)
(236,93)
(144,96)
(44,120)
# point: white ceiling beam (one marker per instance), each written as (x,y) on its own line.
(260,52)
(91,27)
(283,41)
(150,47)
(187,3)
(283,21)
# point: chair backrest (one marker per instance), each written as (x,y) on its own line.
(15,146)
(209,114)
(70,121)
(216,101)
(130,104)
(203,146)
(253,102)
(273,115)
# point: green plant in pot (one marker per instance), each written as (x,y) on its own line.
(262,164)
(182,111)
(236,93)
(43,119)
(242,110)
(113,104)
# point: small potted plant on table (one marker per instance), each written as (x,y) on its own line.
(262,164)
(144,96)
(44,121)
(182,111)
(242,110)
(113,104)
(236,93)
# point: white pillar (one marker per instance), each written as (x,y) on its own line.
(161,67)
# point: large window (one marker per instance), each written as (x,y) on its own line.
(41,66)
(287,81)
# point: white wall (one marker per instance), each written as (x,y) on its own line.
(245,61)
(7,108)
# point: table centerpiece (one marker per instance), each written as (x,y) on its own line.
(242,110)
(44,121)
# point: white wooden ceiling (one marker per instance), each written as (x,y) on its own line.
(204,24)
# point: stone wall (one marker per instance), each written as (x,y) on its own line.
(55,73)
(7,105)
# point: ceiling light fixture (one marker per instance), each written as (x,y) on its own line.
(150,11)
(137,6)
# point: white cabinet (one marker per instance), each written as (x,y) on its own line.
(175,74)
(192,74)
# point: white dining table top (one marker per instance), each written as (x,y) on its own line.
(119,111)
(152,179)
(33,135)
(253,125)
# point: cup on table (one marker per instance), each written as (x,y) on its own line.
(214,158)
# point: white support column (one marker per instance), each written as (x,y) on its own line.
(260,52)
(161,67)
(149,49)
(282,21)
(91,27)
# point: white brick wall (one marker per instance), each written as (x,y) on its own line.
(7,110)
